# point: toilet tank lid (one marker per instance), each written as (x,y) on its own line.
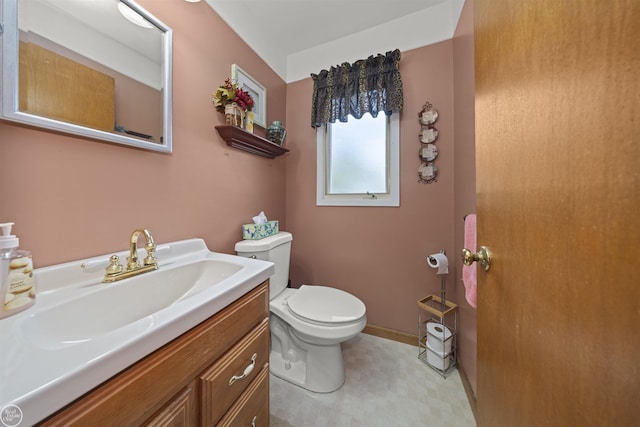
(265,244)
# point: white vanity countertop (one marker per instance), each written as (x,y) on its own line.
(41,379)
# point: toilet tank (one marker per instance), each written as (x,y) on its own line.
(277,249)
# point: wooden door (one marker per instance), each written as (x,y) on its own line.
(56,87)
(558,174)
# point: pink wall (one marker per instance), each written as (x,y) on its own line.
(378,254)
(465,177)
(73,198)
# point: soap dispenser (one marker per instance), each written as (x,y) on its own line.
(17,285)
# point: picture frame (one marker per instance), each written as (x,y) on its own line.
(257,91)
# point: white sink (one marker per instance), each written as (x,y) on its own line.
(82,332)
(112,306)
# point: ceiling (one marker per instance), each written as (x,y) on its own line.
(289,33)
(299,37)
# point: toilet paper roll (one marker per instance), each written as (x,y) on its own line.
(439,338)
(438,361)
(440,262)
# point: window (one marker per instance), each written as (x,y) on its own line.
(359,162)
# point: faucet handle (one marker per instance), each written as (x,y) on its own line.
(150,259)
(114,265)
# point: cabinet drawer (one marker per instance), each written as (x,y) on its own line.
(230,375)
(252,408)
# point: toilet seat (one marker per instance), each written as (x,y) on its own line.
(325,305)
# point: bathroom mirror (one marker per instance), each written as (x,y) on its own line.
(99,68)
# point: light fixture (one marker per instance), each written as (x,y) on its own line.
(192,1)
(133,16)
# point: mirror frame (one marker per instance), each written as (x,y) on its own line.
(9,110)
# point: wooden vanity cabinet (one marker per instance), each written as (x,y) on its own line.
(187,382)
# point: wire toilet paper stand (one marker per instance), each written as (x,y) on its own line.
(437,328)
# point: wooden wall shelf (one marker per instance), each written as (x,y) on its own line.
(239,138)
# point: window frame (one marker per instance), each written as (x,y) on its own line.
(391,199)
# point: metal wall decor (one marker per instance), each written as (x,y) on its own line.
(428,171)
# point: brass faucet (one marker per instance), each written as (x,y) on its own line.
(115,271)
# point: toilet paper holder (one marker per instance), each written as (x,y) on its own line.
(440,262)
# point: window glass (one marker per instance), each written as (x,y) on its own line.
(358,156)
(358,162)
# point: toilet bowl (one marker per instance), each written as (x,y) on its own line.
(308,352)
(307,324)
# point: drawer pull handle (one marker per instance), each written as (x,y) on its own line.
(247,370)
(253,421)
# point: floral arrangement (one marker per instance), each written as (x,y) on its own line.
(229,93)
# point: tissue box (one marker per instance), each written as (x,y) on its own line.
(259,231)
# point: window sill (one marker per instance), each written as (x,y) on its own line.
(239,138)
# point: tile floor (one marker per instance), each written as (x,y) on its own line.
(387,386)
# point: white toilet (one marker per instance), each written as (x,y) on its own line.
(307,324)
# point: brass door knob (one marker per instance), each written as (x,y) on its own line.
(483,257)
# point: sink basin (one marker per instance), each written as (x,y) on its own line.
(112,306)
